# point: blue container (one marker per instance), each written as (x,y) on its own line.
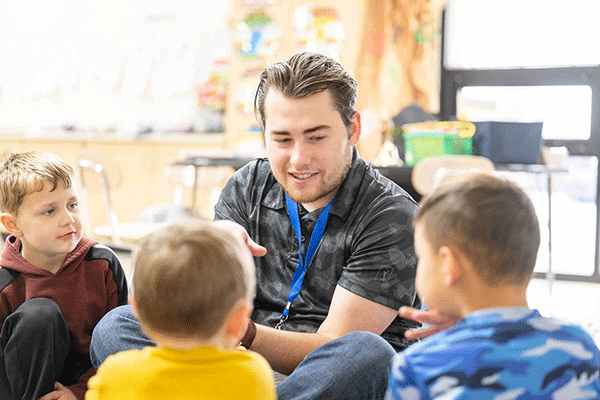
(509,142)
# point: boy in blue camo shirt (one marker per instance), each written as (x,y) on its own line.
(477,238)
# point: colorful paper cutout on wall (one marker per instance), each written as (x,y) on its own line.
(245,92)
(212,98)
(213,93)
(319,29)
(257,36)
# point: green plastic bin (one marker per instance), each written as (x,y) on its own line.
(420,145)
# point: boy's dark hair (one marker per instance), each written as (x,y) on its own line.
(488,219)
(188,275)
(303,75)
(24,173)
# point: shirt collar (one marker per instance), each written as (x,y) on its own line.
(500,313)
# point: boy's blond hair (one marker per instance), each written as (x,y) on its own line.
(487,218)
(188,276)
(25,173)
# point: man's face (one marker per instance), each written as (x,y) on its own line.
(49,223)
(308,146)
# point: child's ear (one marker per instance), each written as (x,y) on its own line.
(237,322)
(452,267)
(9,222)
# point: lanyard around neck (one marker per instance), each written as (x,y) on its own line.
(315,239)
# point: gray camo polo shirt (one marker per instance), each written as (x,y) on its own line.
(367,247)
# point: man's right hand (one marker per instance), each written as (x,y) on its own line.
(437,322)
(255,249)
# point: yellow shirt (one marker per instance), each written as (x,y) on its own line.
(162,373)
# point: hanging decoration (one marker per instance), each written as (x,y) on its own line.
(319,29)
(243,97)
(257,36)
(212,98)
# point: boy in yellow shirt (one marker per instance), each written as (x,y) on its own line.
(192,292)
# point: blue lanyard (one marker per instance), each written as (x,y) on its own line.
(315,239)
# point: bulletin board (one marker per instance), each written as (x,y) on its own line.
(267,31)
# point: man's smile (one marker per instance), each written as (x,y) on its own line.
(303,176)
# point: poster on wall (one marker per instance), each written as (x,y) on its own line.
(257,36)
(243,97)
(319,29)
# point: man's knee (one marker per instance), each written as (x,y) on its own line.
(353,366)
(360,350)
(103,330)
(118,330)
(367,346)
(106,323)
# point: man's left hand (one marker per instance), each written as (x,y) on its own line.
(60,393)
(437,322)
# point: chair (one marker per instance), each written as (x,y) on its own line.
(95,169)
(184,177)
(429,171)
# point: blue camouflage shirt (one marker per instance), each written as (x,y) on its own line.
(501,353)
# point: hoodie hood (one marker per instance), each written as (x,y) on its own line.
(13,259)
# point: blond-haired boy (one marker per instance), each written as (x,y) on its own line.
(55,285)
(477,238)
(193,285)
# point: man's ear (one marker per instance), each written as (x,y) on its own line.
(355,128)
(452,267)
(10,224)
(237,321)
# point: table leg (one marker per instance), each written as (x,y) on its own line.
(550,273)
(194,188)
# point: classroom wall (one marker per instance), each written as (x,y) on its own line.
(109,65)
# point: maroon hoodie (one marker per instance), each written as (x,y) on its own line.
(90,283)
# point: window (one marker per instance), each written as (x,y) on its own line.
(565,110)
(530,61)
(521,33)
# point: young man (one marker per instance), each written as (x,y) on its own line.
(193,286)
(477,238)
(314,203)
(55,285)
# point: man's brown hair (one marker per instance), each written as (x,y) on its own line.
(487,218)
(187,277)
(303,75)
(25,173)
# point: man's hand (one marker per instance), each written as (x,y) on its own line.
(437,321)
(60,393)
(255,249)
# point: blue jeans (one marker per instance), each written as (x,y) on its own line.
(354,366)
